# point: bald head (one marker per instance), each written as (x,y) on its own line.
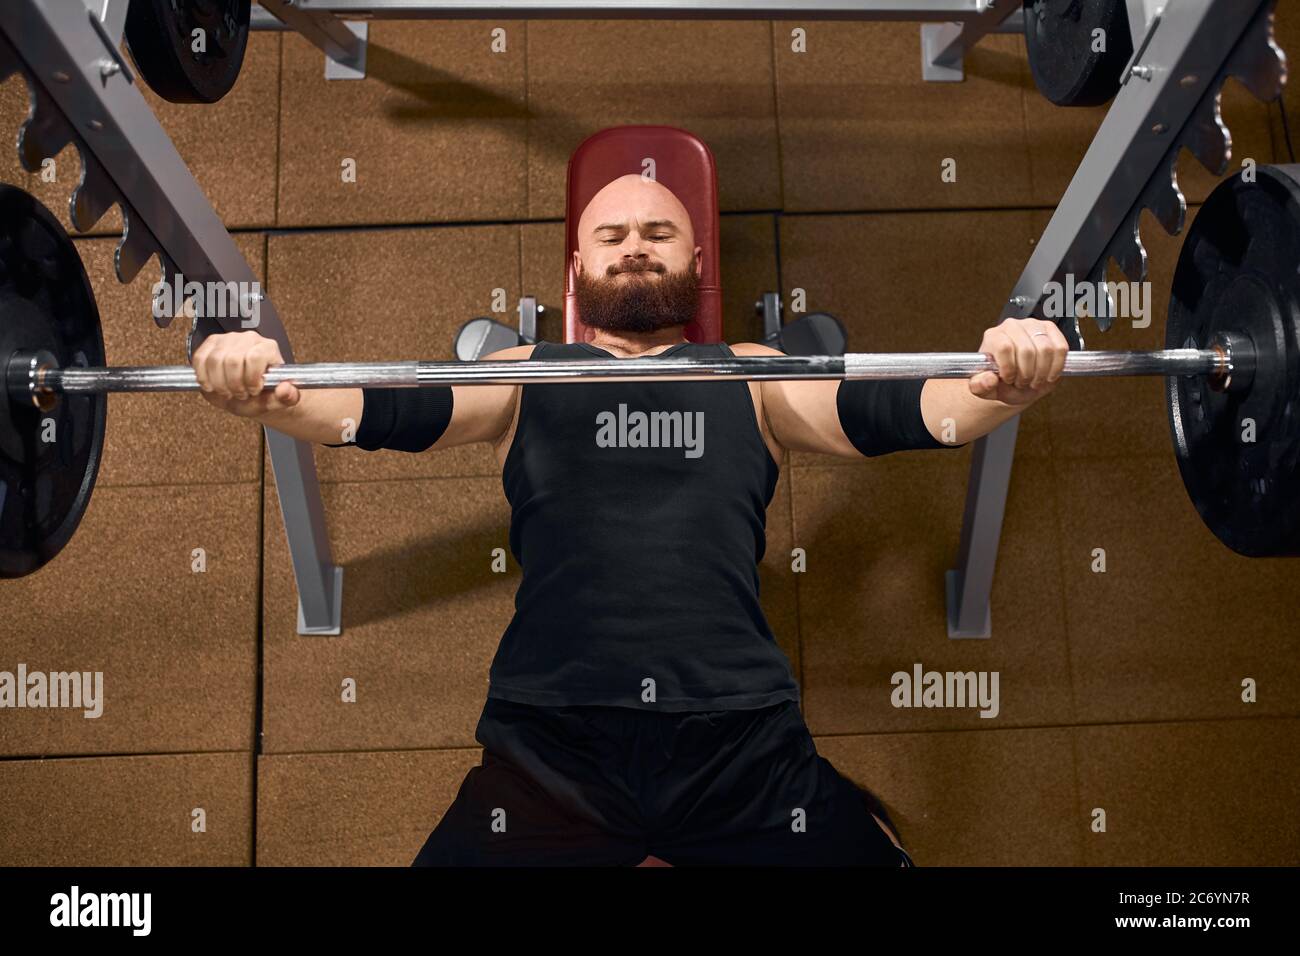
(637,264)
(635,218)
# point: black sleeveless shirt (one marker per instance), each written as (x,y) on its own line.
(638,516)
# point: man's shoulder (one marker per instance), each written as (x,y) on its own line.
(514,352)
(754,348)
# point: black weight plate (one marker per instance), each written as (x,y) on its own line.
(160,36)
(45,302)
(1237,271)
(1059,42)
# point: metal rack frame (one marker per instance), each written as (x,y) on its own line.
(950,27)
(1169,100)
(83,91)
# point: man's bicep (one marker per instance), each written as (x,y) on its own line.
(480,413)
(483,413)
(437,416)
(803,416)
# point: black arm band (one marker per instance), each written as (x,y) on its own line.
(884,415)
(402,419)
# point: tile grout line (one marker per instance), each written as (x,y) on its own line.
(1169,723)
(259,642)
(274,228)
(780,287)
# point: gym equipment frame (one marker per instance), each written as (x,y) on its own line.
(83,91)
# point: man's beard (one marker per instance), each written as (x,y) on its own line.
(642,304)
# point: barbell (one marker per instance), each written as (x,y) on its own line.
(1231,364)
(33,377)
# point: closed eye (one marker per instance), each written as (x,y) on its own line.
(656,237)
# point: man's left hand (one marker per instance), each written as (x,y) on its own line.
(1030,355)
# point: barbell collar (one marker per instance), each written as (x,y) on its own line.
(24,374)
(1236,369)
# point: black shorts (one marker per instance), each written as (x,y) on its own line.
(595,785)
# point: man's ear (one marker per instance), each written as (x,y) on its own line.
(577,262)
(699,260)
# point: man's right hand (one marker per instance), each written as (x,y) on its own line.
(230,366)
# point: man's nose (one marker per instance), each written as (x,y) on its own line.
(634,258)
(635,244)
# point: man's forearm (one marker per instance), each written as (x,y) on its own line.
(954,416)
(327,416)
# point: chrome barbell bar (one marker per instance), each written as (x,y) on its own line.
(34,375)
